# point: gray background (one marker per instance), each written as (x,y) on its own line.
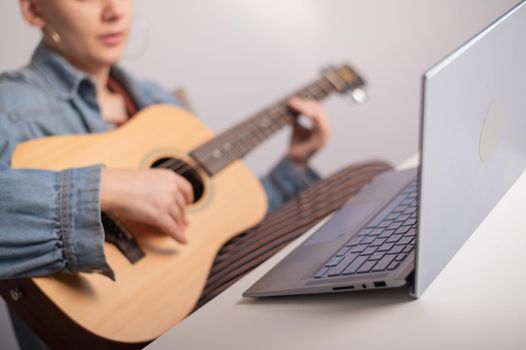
(235,57)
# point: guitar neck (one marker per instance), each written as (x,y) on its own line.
(240,139)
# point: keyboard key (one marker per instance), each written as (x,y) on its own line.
(377,242)
(402,218)
(337,270)
(384,224)
(334,261)
(393,265)
(408,249)
(355,265)
(354,241)
(358,248)
(391,216)
(403,229)
(363,232)
(396,249)
(369,251)
(375,222)
(405,240)
(343,251)
(377,256)
(401,256)
(376,231)
(394,226)
(385,247)
(382,264)
(409,210)
(387,234)
(322,272)
(400,209)
(410,233)
(367,240)
(366,267)
(394,238)
(411,222)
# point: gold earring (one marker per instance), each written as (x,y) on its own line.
(55,37)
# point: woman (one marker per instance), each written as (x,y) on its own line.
(51,220)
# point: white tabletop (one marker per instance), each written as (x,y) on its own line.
(477,302)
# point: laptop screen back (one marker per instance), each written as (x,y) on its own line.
(473,144)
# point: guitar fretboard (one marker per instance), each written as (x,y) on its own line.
(237,141)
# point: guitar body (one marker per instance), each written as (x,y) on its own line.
(155,293)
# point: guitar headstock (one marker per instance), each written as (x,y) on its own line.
(345,79)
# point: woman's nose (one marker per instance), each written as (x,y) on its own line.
(113,9)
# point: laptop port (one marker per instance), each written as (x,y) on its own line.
(343,288)
(380,284)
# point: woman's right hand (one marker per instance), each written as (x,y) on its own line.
(156,197)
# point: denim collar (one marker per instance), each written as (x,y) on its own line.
(62,77)
(65,80)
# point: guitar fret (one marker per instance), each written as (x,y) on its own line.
(310,93)
(275,127)
(242,144)
(320,84)
(250,135)
(319,93)
(328,85)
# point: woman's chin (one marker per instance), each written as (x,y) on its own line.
(111,57)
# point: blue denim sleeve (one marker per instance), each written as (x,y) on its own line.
(50,221)
(285,181)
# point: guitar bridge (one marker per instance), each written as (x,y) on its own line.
(118,235)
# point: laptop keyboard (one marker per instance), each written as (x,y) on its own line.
(383,244)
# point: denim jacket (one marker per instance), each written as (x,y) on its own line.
(50,221)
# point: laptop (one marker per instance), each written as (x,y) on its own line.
(405,226)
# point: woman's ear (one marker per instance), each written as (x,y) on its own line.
(32,14)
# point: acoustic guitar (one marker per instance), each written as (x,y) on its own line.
(158,281)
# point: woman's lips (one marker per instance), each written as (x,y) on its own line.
(111,39)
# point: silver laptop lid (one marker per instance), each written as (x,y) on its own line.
(473,141)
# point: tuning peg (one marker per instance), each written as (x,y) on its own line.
(359,95)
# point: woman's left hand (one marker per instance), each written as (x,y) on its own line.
(304,142)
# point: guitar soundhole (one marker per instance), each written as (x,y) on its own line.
(185,170)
